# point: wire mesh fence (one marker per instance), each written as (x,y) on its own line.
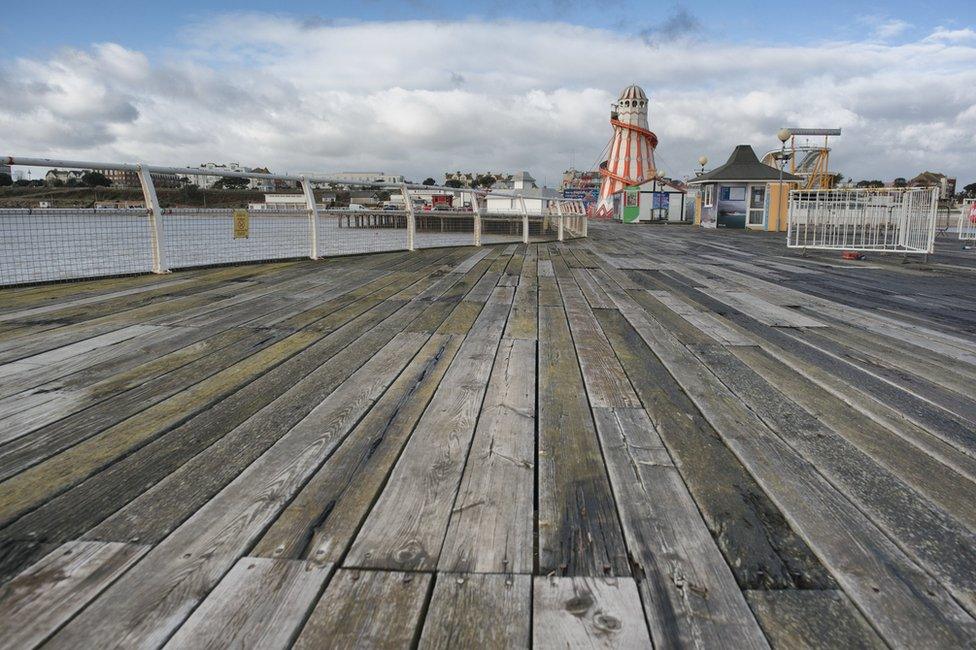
(53,244)
(38,245)
(894,220)
(362,231)
(444,228)
(198,237)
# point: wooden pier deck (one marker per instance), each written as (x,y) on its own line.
(658,434)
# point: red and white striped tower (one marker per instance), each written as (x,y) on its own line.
(631,159)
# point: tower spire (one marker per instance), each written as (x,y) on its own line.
(631,157)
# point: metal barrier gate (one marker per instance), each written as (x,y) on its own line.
(967,220)
(892,220)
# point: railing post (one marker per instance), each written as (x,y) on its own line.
(157,237)
(411,217)
(525,220)
(477,218)
(559,225)
(313,218)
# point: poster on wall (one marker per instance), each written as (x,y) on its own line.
(732,194)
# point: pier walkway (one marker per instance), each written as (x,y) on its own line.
(658,434)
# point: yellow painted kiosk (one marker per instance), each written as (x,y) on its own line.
(743,193)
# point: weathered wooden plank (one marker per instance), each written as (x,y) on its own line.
(471,260)
(594,295)
(260,603)
(763,311)
(406,527)
(524,319)
(151,601)
(795,619)
(951,491)
(587,612)
(924,425)
(720,330)
(41,341)
(321,522)
(690,595)
(152,517)
(367,609)
(606,383)
(35,485)
(901,601)
(579,533)
(960,405)
(37,365)
(491,524)
(296,386)
(931,537)
(30,410)
(48,594)
(479,611)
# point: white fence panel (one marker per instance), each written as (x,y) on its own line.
(967,220)
(199,237)
(363,231)
(43,245)
(50,245)
(894,220)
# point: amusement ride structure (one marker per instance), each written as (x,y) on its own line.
(631,149)
(807,160)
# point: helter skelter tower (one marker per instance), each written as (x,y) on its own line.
(631,157)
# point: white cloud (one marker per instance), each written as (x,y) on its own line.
(424,97)
(890,28)
(952,35)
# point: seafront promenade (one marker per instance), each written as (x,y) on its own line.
(654,435)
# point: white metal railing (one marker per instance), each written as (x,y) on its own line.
(38,245)
(967,220)
(895,220)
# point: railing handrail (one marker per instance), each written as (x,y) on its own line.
(25,161)
(573,218)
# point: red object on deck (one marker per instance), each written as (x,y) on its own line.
(852,255)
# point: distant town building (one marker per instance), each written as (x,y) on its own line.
(517,181)
(204,180)
(521,184)
(468,179)
(576,179)
(121,178)
(947,186)
(55,176)
(339,178)
(261,184)
(129,178)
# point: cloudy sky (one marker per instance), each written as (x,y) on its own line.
(423,87)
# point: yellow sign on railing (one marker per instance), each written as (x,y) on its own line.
(242,224)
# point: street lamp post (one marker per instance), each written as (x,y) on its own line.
(783,135)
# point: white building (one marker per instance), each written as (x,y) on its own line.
(338,178)
(205,181)
(537,199)
(63,175)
